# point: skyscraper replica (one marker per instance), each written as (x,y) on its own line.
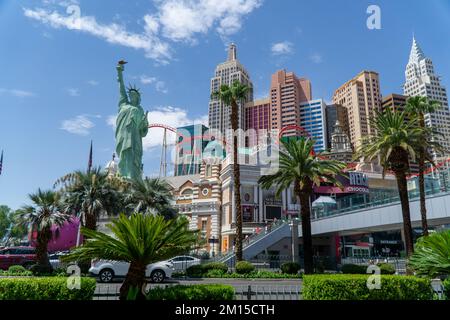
(226,73)
(421,80)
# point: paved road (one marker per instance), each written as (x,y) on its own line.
(286,289)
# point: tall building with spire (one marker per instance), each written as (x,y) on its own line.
(421,80)
(226,73)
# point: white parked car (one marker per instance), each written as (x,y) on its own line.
(181,263)
(107,271)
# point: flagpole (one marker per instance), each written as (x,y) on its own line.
(1,163)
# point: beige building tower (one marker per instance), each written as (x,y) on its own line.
(226,73)
(362,98)
(287,92)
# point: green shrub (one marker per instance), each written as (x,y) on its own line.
(215,273)
(431,255)
(290,267)
(244,267)
(192,292)
(353,269)
(386,268)
(49,288)
(446,284)
(201,270)
(354,287)
(195,271)
(215,266)
(39,270)
(17,269)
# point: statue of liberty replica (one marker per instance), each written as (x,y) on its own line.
(131,127)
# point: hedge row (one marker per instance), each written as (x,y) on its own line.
(193,292)
(259,274)
(385,268)
(200,270)
(49,288)
(354,287)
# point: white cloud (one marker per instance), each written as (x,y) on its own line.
(113,33)
(17,93)
(282,48)
(182,20)
(175,20)
(79,125)
(73,92)
(171,116)
(160,86)
(93,83)
(316,58)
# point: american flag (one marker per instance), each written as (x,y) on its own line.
(1,163)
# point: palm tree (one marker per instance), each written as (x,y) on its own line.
(150,196)
(90,194)
(432,255)
(394,141)
(140,239)
(41,215)
(300,166)
(232,96)
(417,107)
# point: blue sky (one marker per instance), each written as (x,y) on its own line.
(58,85)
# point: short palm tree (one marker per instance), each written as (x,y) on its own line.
(90,194)
(395,140)
(150,196)
(40,216)
(300,166)
(139,239)
(432,255)
(417,107)
(232,96)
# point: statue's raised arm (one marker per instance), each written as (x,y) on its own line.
(122,91)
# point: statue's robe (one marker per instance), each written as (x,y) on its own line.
(131,127)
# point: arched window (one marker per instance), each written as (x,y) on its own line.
(208,170)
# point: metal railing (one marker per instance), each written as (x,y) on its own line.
(268,292)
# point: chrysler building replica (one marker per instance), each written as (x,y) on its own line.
(421,80)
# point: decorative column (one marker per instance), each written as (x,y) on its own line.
(261,205)
(255,201)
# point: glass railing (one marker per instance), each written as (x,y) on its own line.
(355,202)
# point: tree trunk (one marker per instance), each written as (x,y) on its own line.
(43,237)
(404,200)
(305,212)
(91,221)
(135,278)
(423,208)
(237,181)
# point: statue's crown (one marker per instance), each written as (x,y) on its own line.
(133,88)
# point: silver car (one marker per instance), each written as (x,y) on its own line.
(181,263)
(107,271)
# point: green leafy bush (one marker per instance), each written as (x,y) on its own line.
(195,271)
(40,270)
(49,288)
(192,292)
(290,267)
(354,287)
(386,268)
(353,269)
(215,266)
(201,270)
(446,284)
(431,255)
(244,267)
(17,269)
(215,273)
